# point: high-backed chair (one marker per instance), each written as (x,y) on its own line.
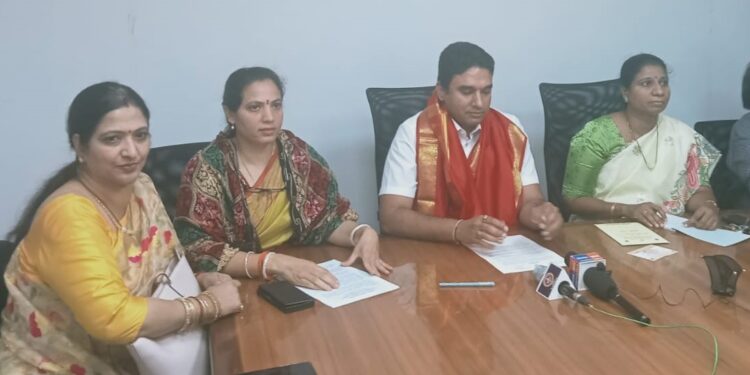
(389,108)
(726,185)
(165,165)
(567,107)
(6,250)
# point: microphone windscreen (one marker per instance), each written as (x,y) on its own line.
(600,283)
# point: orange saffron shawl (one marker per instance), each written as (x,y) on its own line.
(487,182)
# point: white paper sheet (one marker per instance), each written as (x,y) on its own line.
(518,254)
(652,252)
(354,285)
(628,234)
(721,237)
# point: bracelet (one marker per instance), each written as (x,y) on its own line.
(216,304)
(204,309)
(199,318)
(247,271)
(189,308)
(612,210)
(187,317)
(195,319)
(455,229)
(354,232)
(209,307)
(265,262)
(261,259)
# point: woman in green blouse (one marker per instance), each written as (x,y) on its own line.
(639,163)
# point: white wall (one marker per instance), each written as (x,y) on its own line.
(178,53)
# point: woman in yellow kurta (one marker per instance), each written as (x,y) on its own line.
(89,247)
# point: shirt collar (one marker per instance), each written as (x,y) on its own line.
(462,132)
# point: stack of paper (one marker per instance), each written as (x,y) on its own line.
(721,237)
(518,254)
(354,285)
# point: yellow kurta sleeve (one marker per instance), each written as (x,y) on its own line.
(72,250)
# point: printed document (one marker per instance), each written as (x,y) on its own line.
(628,234)
(721,237)
(354,285)
(652,252)
(518,254)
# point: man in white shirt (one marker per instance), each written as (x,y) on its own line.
(459,170)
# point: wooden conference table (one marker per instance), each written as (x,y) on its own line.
(508,329)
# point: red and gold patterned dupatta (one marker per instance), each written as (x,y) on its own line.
(213,220)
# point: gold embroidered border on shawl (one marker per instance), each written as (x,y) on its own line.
(427,155)
(518,140)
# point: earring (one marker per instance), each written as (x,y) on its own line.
(232,127)
(625,98)
(80,160)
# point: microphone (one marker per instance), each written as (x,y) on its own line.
(602,286)
(564,288)
(578,264)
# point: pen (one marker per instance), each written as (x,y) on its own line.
(467,284)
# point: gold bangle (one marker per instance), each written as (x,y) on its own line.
(612,210)
(216,304)
(207,300)
(187,321)
(195,318)
(199,319)
(455,229)
(188,315)
(205,310)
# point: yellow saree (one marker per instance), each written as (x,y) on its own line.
(269,206)
(78,289)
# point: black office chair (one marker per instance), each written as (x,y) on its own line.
(567,107)
(390,107)
(727,187)
(165,165)
(6,250)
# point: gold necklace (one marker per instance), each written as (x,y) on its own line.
(639,149)
(110,214)
(244,167)
(243,164)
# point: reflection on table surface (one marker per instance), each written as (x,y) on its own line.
(421,329)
